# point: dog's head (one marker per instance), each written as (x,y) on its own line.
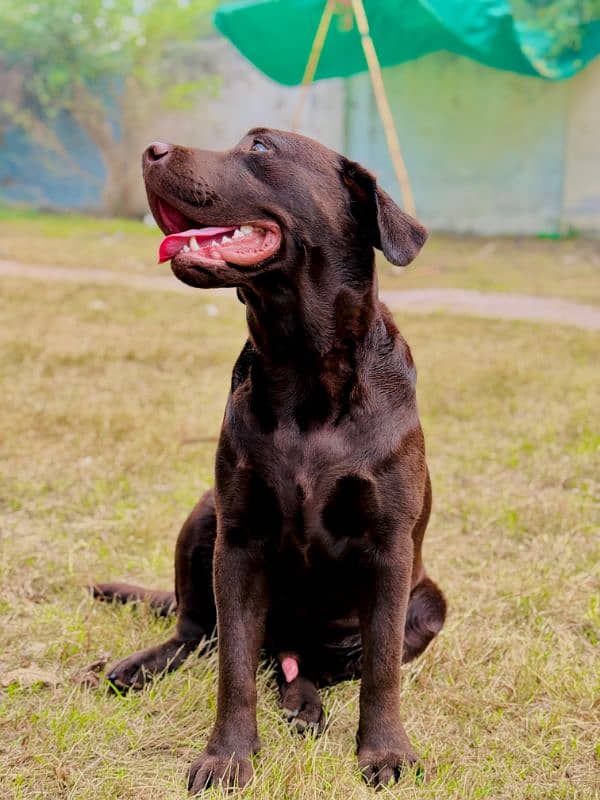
(231,216)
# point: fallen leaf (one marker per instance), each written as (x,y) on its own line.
(29,676)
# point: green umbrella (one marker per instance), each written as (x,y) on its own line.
(277,36)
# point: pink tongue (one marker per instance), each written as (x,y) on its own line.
(172,244)
(289,665)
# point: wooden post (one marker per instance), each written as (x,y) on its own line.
(313,60)
(383,106)
(374,67)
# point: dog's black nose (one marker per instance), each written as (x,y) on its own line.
(157,150)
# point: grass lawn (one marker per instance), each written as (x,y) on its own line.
(110,402)
(568,268)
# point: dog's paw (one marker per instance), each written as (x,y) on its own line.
(227,772)
(302,706)
(381,768)
(130,673)
(140,668)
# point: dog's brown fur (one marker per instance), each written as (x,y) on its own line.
(310,543)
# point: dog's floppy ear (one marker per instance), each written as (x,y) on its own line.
(390,229)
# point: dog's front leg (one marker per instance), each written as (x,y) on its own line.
(383,746)
(241,600)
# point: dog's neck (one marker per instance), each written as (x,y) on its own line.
(301,315)
(307,327)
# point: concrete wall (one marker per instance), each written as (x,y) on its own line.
(487,151)
(484,149)
(244,98)
(581,197)
(33,175)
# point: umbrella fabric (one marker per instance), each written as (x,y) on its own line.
(277,35)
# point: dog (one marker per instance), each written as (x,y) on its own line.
(309,546)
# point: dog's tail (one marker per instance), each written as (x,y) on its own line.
(424,619)
(163,603)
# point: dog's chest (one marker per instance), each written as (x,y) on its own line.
(304,464)
(323,484)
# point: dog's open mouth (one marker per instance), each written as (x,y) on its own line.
(245,245)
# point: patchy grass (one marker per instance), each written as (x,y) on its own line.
(568,268)
(110,398)
(72,240)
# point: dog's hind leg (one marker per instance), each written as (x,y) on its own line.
(426,610)
(300,700)
(196,614)
(424,618)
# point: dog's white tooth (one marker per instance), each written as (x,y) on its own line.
(194,244)
(185,248)
(237,234)
(226,239)
(246,229)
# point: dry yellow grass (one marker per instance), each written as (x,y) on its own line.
(107,399)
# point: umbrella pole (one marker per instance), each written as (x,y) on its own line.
(383,106)
(381,99)
(313,60)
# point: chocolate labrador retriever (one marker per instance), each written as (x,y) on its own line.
(310,543)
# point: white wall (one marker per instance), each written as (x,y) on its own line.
(244,98)
(581,198)
(487,151)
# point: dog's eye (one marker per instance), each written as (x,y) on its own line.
(259,147)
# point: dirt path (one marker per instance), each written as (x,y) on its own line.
(495,305)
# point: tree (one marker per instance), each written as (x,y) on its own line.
(97,60)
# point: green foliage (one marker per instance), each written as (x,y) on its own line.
(181,94)
(76,55)
(90,58)
(57,46)
(563,17)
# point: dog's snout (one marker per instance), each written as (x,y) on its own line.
(157,150)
